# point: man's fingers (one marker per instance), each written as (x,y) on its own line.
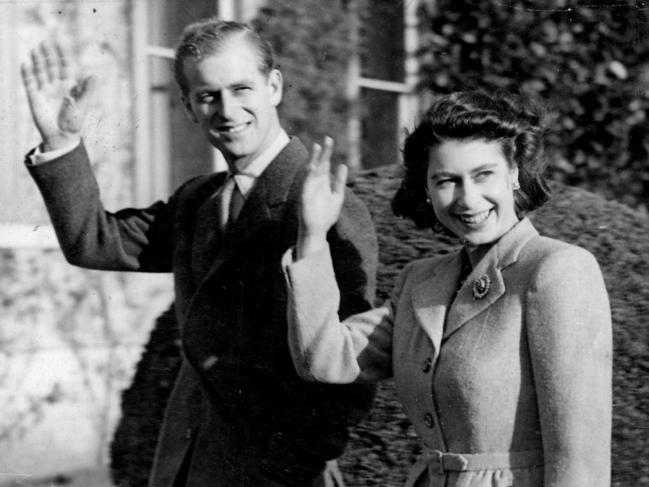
(85,91)
(66,71)
(38,68)
(28,78)
(52,62)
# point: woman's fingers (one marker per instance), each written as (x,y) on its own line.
(340,179)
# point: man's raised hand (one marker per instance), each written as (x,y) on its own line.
(57,100)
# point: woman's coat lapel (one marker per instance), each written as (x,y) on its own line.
(432,297)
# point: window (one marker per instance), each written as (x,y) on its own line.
(169,149)
(384,78)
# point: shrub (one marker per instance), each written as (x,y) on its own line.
(588,63)
(384,445)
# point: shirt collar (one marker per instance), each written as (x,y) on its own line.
(245,179)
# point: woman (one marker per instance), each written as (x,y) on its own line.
(500,352)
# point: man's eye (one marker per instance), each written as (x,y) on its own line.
(205,98)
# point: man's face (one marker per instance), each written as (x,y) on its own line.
(233,102)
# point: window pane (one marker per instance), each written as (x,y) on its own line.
(382,52)
(380,128)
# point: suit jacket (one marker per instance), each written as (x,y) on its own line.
(238,414)
(519,375)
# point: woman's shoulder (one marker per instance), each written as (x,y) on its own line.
(541,247)
(549,255)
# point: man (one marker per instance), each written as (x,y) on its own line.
(238,414)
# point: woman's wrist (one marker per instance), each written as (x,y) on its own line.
(310,244)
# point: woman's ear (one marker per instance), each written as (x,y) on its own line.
(513,174)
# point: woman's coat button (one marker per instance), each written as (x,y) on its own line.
(429,420)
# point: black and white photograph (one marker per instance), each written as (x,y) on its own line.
(324,243)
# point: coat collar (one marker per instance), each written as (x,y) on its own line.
(272,188)
(432,297)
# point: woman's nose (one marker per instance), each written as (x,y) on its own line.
(468,195)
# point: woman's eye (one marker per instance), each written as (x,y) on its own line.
(482,175)
(442,183)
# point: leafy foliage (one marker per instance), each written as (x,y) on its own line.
(311,42)
(587,62)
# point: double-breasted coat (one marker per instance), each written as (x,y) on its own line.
(238,414)
(508,383)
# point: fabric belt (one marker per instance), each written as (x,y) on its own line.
(440,462)
(464,462)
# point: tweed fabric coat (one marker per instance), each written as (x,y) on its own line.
(509,389)
(239,414)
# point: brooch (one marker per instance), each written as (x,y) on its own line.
(481,286)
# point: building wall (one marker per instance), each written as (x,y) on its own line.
(69,337)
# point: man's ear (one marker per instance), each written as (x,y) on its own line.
(275,85)
(188,108)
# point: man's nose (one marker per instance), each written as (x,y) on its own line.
(227,106)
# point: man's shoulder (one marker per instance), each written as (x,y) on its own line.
(198,188)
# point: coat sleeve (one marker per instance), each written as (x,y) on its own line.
(130,239)
(323,348)
(354,254)
(569,329)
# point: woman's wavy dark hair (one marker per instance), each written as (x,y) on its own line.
(470,115)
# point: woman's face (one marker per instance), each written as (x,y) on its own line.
(470,185)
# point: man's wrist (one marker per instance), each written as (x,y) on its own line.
(59,142)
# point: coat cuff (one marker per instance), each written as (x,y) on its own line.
(304,270)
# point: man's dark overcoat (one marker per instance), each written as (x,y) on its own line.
(238,414)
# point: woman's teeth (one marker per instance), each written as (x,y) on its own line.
(475,219)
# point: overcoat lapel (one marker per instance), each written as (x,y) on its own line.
(271,190)
(468,304)
(432,297)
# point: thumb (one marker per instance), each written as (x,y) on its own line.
(84,92)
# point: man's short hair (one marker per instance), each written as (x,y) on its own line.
(207,36)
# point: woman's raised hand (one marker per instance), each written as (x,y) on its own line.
(57,100)
(322,199)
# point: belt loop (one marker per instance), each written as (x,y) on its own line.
(440,461)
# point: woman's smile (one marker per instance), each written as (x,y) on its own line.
(470,185)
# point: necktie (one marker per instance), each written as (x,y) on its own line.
(231,202)
(236,203)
